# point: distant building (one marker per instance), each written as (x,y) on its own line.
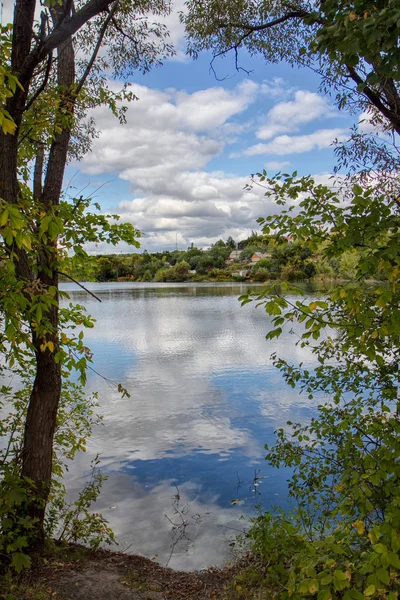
(233,257)
(241,273)
(258,256)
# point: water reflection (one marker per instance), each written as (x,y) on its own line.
(204,401)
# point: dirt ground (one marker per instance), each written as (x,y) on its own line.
(81,574)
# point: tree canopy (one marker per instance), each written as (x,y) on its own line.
(352,45)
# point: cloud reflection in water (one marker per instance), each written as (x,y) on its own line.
(204,401)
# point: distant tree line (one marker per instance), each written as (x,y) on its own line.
(283,259)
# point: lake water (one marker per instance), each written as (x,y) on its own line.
(205,398)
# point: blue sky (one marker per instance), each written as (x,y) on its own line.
(177,169)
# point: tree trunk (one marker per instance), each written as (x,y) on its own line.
(39,430)
(40,267)
(41,420)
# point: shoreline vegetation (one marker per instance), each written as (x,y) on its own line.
(257,259)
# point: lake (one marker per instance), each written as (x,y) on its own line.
(205,398)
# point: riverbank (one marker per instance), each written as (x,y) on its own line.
(77,573)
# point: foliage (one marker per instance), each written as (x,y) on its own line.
(8,81)
(179,272)
(343,539)
(73,522)
(287,261)
(231,243)
(370,222)
(261,274)
(352,45)
(75,419)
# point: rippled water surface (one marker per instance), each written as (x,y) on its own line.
(205,399)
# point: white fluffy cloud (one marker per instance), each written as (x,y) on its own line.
(207,109)
(163,151)
(207,206)
(166,146)
(168,132)
(287,117)
(277,165)
(295,144)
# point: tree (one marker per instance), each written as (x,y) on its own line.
(353,45)
(255,240)
(342,538)
(230,242)
(53,73)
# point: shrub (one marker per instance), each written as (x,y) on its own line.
(261,275)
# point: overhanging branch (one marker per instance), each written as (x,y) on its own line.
(250,30)
(97,48)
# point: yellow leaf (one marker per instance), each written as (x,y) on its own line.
(50,346)
(4,218)
(359,527)
(369,591)
(313,589)
(8,126)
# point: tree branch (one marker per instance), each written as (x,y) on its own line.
(375,99)
(250,29)
(97,48)
(80,285)
(67,28)
(42,87)
(294,14)
(124,34)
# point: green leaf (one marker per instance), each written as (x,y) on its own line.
(394,560)
(383,575)
(379,548)
(20,561)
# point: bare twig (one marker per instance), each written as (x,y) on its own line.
(80,285)
(249,31)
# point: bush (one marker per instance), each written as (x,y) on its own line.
(292,273)
(264,263)
(261,275)
(179,272)
(219,274)
(161,275)
(342,541)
